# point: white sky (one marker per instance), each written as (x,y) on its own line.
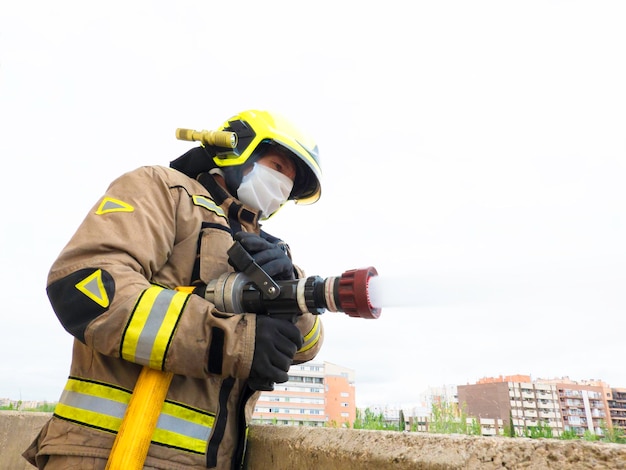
(473,152)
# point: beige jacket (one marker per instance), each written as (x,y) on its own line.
(112,287)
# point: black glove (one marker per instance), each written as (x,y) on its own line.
(277,341)
(270,256)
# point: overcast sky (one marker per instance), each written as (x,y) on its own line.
(473,152)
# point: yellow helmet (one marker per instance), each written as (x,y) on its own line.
(256,131)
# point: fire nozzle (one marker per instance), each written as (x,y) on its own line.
(348,293)
(354,293)
(252,290)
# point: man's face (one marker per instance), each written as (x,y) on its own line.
(281,163)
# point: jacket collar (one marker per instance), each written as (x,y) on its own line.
(197,163)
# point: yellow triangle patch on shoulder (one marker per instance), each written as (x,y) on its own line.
(109,204)
(93,287)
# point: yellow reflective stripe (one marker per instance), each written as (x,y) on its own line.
(183,428)
(138,318)
(152,325)
(94,404)
(162,340)
(313,336)
(98,390)
(96,420)
(102,406)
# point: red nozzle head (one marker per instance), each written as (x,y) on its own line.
(354,296)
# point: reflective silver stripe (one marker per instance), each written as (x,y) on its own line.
(95,404)
(208,204)
(145,343)
(151,326)
(182,426)
(103,407)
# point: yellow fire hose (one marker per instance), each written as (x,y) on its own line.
(133,439)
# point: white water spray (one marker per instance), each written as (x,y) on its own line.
(391,292)
(436,290)
(411,291)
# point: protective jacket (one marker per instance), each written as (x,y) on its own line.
(113,288)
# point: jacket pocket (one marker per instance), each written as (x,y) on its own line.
(215,240)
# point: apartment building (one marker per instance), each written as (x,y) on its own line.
(527,404)
(584,406)
(561,404)
(616,399)
(316,394)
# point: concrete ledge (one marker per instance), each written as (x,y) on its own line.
(286,448)
(17,431)
(289,447)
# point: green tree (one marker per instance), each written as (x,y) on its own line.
(511,427)
(448,419)
(401,422)
(542,430)
(590,436)
(613,434)
(368,419)
(568,434)
(12,407)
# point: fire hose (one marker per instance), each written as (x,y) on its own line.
(252,290)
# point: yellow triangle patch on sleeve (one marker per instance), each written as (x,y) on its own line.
(93,287)
(109,204)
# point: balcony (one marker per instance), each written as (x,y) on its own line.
(570,402)
(547,405)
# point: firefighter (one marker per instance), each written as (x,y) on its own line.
(113,287)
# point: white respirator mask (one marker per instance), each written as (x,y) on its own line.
(264,189)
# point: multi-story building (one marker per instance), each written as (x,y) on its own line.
(524,404)
(316,394)
(584,407)
(561,404)
(616,399)
(339,394)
